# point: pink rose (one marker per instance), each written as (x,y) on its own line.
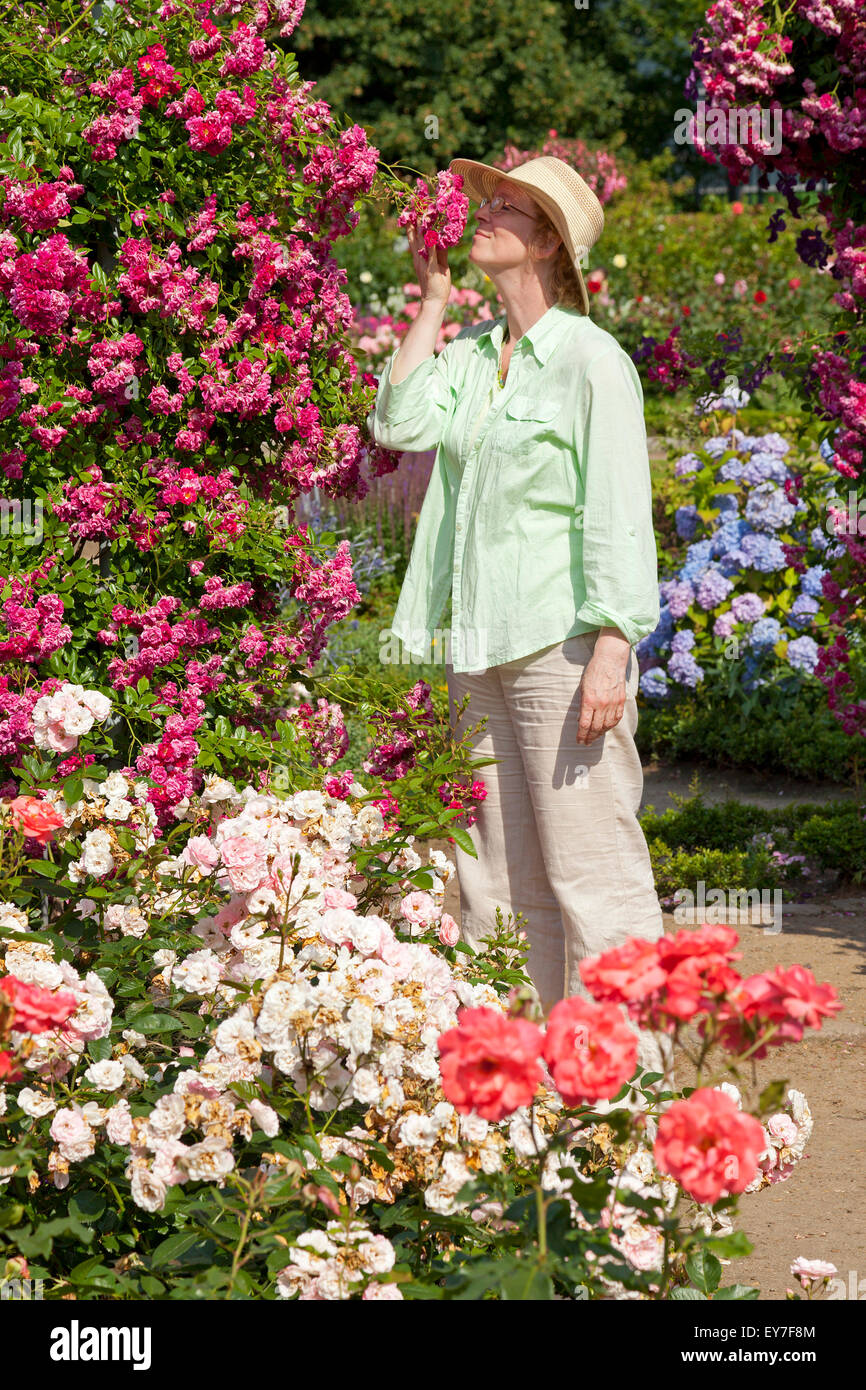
(418,908)
(201,853)
(72,1134)
(449,932)
(244,861)
(338,897)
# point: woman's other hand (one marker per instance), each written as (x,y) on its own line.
(603,686)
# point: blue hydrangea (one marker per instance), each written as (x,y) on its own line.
(686,464)
(802,654)
(762,552)
(686,521)
(818,539)
(768,509)
(683,668)
(697,558)
(728,536)
(774,444)
(654,683)
(713,588)
(811,581)
(726,505)
(718,445)
(659,637)
(730,472)
(803,610)
(683,641)
(765,468)
(765,633)
(828,453)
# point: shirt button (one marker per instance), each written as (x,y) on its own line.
(459,526)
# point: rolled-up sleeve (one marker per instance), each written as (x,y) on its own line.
(620,564)
(411,414)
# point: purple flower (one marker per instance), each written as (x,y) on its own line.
(802,654)
(679,597)
(683,668)
(683,641)
(713,588)
(654,683)
(687,463)
(747,608)
(724,624)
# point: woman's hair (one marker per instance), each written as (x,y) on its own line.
(563,281)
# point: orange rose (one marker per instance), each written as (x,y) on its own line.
(38,819)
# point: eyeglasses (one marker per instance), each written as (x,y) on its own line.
(496,204)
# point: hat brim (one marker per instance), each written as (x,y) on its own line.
(479,181)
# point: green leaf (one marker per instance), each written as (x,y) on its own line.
(704,1270)
(687,1294)
(744,1292)
(72,789)
(528,1285)
(154,1023)
(463,839)
(87,1206)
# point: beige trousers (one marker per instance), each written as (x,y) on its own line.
(557,836)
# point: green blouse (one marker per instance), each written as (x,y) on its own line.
(538,513)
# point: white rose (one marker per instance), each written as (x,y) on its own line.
(34,1103)
(106,1075)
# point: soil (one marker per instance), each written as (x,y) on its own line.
(818,1212)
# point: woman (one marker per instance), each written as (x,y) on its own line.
(538,517)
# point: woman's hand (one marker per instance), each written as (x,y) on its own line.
(431,271)
(603,686)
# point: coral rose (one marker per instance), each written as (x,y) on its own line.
(490,1063)
(36,1010)
(38,819)
(630,971)
(709,1146)
(590,1049)
(785,999)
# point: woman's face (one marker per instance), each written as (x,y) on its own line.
(501,238)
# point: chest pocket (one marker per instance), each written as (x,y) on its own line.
(529,421)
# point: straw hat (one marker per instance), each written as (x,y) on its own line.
(568,201)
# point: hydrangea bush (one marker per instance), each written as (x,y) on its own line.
(739,612)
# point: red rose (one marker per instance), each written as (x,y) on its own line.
(490,1063)
(760,297)
(590,1049)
